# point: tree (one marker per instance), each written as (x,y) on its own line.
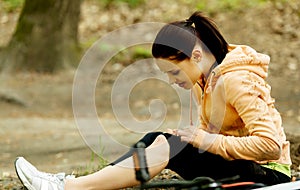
(45,39)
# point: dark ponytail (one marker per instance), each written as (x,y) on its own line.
(177,40)
(210,35)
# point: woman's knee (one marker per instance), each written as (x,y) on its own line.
(149,138)
(159,150)
(160,139)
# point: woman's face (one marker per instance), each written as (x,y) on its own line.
(185,73)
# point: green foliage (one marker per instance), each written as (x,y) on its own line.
(141,53)
(132,54)
(212,6)
(11,5)
(130,3)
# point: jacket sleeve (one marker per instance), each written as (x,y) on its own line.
(249,95)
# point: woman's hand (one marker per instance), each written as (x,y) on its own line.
(188,134)
(172,131)
(195,136)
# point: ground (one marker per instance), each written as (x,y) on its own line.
(36,113)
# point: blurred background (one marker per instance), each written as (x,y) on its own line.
(42,43)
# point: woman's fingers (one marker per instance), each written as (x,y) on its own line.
(187,134)
(172,131)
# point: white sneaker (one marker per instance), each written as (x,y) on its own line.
(33,179)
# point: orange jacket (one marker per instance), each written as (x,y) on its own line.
(237,112)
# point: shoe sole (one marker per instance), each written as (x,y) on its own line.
(22,178)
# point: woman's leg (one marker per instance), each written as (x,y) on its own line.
(122,174)
(190,163)
(148,139)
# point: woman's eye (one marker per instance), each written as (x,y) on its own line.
(176,72)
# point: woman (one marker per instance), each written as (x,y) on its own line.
(240,130)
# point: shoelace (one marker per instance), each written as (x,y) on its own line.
(59,177)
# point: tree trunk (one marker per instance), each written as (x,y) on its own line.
(45,39)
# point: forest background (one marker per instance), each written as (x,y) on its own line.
(43,42)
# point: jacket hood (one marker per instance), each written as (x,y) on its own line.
(241,57)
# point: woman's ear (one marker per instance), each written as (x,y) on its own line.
(196,56)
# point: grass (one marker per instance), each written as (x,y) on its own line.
(213,6)
(12,5)
(130,3)
(130,55)
(97,162)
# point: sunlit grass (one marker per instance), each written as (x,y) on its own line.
(12,5)
(130,3)
(213,6)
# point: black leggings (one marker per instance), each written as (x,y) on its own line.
(190,163)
